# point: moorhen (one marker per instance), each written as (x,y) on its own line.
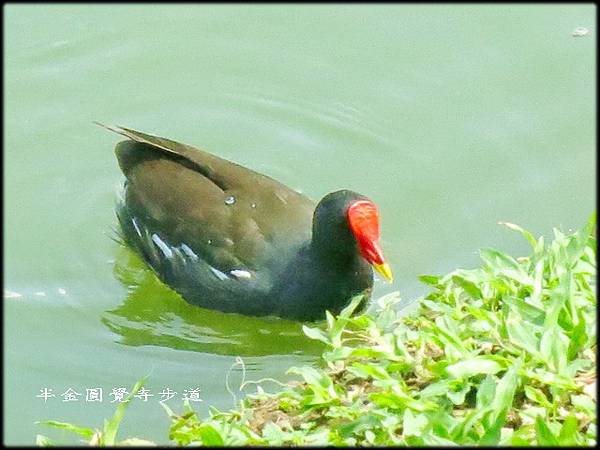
(228,238)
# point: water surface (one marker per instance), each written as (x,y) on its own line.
(450,117)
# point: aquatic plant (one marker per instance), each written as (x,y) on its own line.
(504,354)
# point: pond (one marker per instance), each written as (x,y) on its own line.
(450,117)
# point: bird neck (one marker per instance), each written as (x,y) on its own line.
(336,251)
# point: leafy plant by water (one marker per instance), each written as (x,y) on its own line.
(107,436)
(504,354)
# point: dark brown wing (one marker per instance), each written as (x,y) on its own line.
(229,215)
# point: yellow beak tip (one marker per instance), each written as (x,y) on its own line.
(385,271)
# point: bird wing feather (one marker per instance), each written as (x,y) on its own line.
(185,194)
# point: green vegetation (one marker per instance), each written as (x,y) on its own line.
(500,355)
(105,437)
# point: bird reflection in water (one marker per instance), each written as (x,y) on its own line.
(153,314)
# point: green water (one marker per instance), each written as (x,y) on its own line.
(451,118)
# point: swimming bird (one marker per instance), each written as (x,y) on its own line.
(228,238)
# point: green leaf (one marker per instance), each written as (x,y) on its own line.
(311,375)
(461,431)
(505,392)
(354,303)
(397,400)
(330,319)
(522,336)
(553,347)
(43,441)
(584,403)
(578,336)
(317,334)
(210,436)
(521,438)
(492,434)
(558,235)
(85,432)
(414,441)
(470,287)
(318,382)
(498,260)
(552,379)
(169,411)
(136,442)
(437,306)
(337,353)
(413,424)
(458,397)
(486,392)
(363,352)
(355,427)
(432,280)
(558,297)
(273,434)
(568,432)
(369,371)
(578,365)
(526,310)
(537,396)
(474,366)
(335,331)
(447,333)
(532,241)
(588,229)
(111,426)
(319,438)
(538,281)
(437,441)
(543,433)
(435,389)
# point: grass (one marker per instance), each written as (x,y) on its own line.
(504,354)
